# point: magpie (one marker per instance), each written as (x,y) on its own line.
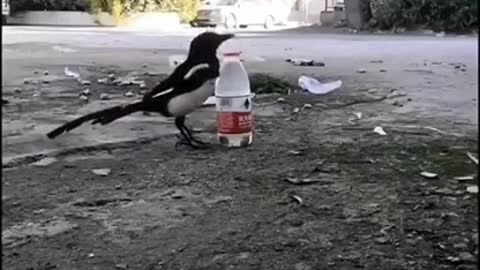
(185,90)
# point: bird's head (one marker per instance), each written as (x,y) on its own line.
(205,45)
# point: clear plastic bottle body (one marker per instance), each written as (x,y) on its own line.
(234,104)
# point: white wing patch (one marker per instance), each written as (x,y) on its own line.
(196,68)
(163,93)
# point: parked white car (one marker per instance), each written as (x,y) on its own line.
(238,13)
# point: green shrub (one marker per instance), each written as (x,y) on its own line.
(439,15)
(49,5)
(187,9)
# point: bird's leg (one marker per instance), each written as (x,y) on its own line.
(190,135)
(187,138)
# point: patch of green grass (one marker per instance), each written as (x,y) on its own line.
(262,83)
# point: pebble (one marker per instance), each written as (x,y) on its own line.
(121,266)
(381,240)
(84,98)
(17,90)
(296,110)
(461,246)
(303,266)
(85,82)
(467,257)
(45,162)
(117,187)
(86,92)
(383,70)
(111,76)
(129,94)
(281,100)
(102,81)
(104,96)
(26,81)
(45,72)
(307,106)
(101,172)
(91,255)
(429,175)
(143,86)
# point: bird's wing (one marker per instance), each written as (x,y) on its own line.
(162,88)
(196,78)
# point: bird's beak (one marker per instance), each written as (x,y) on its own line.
(226,37)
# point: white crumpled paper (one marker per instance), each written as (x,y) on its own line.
(315,87)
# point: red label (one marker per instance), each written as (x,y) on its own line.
(234,122)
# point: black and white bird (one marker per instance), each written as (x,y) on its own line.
(185,90)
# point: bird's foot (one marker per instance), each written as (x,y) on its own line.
(194,144)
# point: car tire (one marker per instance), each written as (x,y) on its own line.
(269,22)
(230,21)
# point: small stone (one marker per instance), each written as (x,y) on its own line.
(467,257)
(143,86)
(281,100)
(129,94)
(117,187)
(296,110)
(45,162)
(381,240)
(101,172)
(111,76)
(429,175)
(303,266)
(361,71)
(295,153)
(84,98)
(38,211)
(17,90)
(383,70)
(397,103)
(105,96)
(102,81)
(460,246)
(36,72)
(45,72)
(472,189)
(26,81)
(307,106)
(121,266)
(91,255)
(86,92)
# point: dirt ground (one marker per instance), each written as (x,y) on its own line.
(318,189)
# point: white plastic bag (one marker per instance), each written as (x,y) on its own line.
(315,87)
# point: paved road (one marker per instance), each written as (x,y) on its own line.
(423,66)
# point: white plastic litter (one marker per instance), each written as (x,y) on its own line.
(315,87)
(380,131)
(71,74)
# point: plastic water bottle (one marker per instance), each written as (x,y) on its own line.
(234,103)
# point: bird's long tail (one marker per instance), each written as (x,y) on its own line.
(102,117)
